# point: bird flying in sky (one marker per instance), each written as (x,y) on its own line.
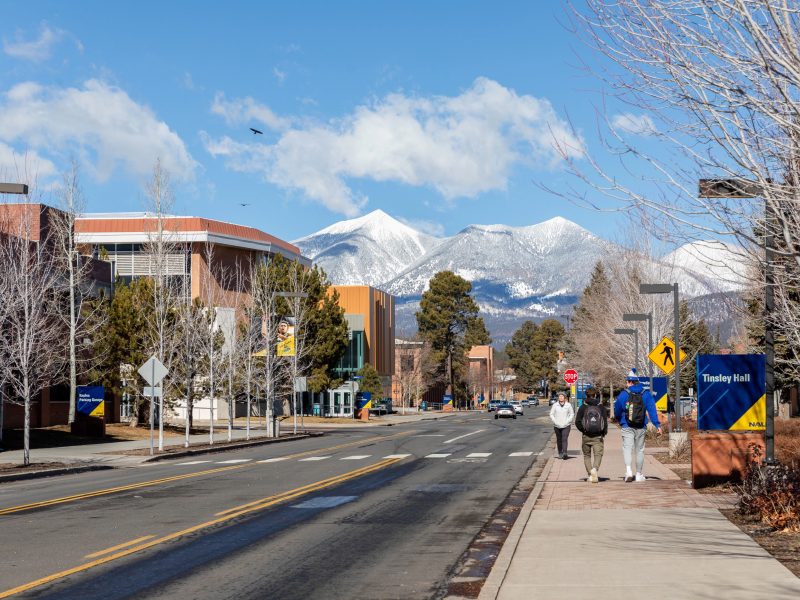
(256,131)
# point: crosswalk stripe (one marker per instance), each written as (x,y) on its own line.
(357,457)
(278,459)
(194,462)
(397,456)
(520,453)
(437,455)
(479,455)
(313,458)
(233,461)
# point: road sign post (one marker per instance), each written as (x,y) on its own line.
(153,371)
(570,376)
(663,355)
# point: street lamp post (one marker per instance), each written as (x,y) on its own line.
(666,288)
(649,318)
(741,188)
(296,296)
(635,334)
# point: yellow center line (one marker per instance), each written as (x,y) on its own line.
(152,482)
(118,546)
(259,505)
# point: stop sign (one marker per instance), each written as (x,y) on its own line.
(570,376)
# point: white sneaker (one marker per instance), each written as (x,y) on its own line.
(593,476)
(628,476)
(640,477)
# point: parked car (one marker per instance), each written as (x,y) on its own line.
(517,406)
(553,400)
(493,405)
(505,410)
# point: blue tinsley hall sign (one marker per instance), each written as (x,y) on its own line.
(731,391)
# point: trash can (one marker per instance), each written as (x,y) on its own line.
(423,405)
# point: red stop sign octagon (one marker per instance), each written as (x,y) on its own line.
(570,376)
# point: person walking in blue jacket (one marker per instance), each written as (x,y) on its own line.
(633,433)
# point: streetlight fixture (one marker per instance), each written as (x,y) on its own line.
(635,334)
(14,188)
(666,288)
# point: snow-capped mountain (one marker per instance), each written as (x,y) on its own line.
(368,250)
(517,273)
(708,267)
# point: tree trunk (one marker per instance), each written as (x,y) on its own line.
(73,326)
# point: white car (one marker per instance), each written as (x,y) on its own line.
(505,410)
(517,406)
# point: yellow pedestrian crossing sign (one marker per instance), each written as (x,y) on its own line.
(663,355)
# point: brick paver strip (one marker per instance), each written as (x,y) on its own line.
(566,487)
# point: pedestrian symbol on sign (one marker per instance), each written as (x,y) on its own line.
(667,351)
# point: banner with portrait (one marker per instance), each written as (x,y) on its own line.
(285,345)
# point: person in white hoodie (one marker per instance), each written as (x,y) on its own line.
(562,414)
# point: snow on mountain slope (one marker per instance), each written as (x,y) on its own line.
(708,267)
(368,250)
(550,259)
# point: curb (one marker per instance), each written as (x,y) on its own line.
(53,472)
(491,587)
(228,447)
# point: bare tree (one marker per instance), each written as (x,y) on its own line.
(77,269)
(415,372)
(31,331)
(716,85)
(265,285)
(166,261)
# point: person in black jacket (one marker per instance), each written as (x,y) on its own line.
(591,420)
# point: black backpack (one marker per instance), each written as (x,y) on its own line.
(594,419)
(634,410)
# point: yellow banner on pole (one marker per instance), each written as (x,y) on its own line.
(286,346)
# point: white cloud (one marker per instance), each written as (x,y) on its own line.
(34,50)
(279,75)
(244,110)
(428,227)
(636,124)
(460,146)
(29,166)
(99,122)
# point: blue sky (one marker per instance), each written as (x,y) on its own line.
(442,114)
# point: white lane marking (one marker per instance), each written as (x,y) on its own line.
(479,455)
(463,436)
(430,435)
(356,457)
(278,459)
(437,455)
(520,453)
(397,456)
(233,461)
(311,458)
(325,502)
(194,462)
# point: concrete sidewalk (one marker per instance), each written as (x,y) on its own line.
(658,539)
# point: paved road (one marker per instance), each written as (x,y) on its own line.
(355,514)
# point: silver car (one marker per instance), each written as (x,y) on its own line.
(517,406)
(505,410)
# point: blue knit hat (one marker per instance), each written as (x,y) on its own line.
(632,376)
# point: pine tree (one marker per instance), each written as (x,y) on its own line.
(447,311)
(547,341)
(370,381)
(520,355)
(696,339)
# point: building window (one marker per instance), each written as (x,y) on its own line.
(407,363)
